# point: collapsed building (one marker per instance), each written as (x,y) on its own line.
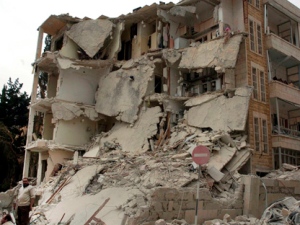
(162,80)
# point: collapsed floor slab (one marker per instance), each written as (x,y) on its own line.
(222,113)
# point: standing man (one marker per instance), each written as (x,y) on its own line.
(25,201)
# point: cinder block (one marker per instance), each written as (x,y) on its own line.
(202,215)
(297,190)
(209,205)
(157,206)
(192,205)
(270,182)
(288,183)
(170,206)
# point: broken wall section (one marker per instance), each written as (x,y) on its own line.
(120,93)
(78,84)
(221,113)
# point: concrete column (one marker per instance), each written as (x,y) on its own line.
(26,163)
(39,43)
(251,196)
(30,126)
(39,171)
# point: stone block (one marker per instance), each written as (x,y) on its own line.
(269,182)
(192,205)
(170,206)
(288,183)
(157,206)
(297,190)
(202,215)
(209,205)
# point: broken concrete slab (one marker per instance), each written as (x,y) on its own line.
(216,52)
(198,100)
(79,182)
(222,113)
(132,139)
(68,111)
(121,92)
(84,207)
(182,10)
(90,35)
(220,158)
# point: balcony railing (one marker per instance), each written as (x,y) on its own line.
(284,91)
(286,131)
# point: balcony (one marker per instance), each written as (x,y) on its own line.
(283,140)
(282,46)
(284,91)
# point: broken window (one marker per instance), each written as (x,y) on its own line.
(255,36)
(258,83)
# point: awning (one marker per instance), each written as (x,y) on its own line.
(214,53)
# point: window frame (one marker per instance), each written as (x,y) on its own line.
(258,81)
(260,130)
(255,36)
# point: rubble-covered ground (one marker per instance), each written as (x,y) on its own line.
(123,183)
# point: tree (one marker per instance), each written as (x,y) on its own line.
(14,111)
(13,122)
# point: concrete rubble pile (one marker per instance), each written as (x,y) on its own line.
(286,211)
(140,175)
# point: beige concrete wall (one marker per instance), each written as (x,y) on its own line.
(52,85)
(78,85)
(75,132)
(48,127)
(69,49)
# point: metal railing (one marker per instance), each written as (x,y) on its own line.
(286,131)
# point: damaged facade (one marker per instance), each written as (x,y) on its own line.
(226,66)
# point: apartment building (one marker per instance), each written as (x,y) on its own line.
(103,73)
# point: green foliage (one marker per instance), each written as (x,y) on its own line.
(13,116)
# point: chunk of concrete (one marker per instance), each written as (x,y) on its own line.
(90,35)
(121,92)
(132,139)
(216,52)
(222,113)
